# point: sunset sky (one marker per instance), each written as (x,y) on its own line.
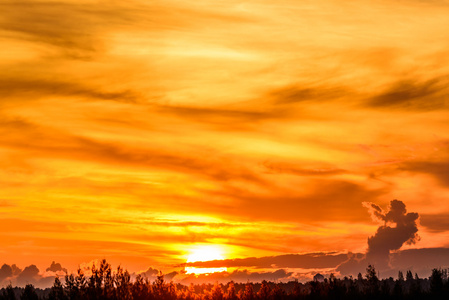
(145,131)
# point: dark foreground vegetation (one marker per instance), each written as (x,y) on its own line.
(106,284)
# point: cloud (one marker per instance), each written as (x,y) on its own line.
(282,168)
(436,169)
(170,276)
(414,95)
(16,270)
(5,272)
(59,144)
(150,273)
(421,261)
(304,261)
(435,222)
(29,275)
(242,276)
(228,119)
(76,35)
(355,264)
(83,30)
(300,93)
(36,88)
(324,199)
(399,228)
(56,267)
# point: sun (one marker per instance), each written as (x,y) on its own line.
(205,253)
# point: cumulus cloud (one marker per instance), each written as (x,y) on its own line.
(151,273)
(5,272)
(16,270)
(29,275)
(55,267)
(398,228)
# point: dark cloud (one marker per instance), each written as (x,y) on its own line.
(435,222)
(177,223)
(414,95)
(281,168)
(56,267)
(304,261)
(437,169)
(297,94)
(150,273)
(50,142)
(171,275)
(226,118)
(16,270)
(74,29)
(29,275)
(40,87)
(78,31)
(421,261)
(399,228)
(5,272)
(355,264)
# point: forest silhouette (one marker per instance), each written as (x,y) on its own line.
(106,283)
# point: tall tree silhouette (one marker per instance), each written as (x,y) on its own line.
(29,293)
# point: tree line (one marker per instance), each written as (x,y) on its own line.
(104,284)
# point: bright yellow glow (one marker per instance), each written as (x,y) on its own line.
(205,253)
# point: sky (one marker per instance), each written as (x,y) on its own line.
(142,131)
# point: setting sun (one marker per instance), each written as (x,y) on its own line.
(205,253)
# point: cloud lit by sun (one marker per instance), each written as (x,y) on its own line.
(205,253)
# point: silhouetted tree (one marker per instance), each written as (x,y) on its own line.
(297,290)
(217,292)
(264,291)
(57,291)
(29,293)
(8,293)
(372,281)
(399,286)
(141,289)
(385,289)
(409,276)
(230,293)
(248,294)
(104,284)
(436,283)
(122,282)
(277,293)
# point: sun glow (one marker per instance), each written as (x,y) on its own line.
(204,253)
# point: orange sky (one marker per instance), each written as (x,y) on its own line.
(135,131)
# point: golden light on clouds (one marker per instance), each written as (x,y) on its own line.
(135,131)
(205,253)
